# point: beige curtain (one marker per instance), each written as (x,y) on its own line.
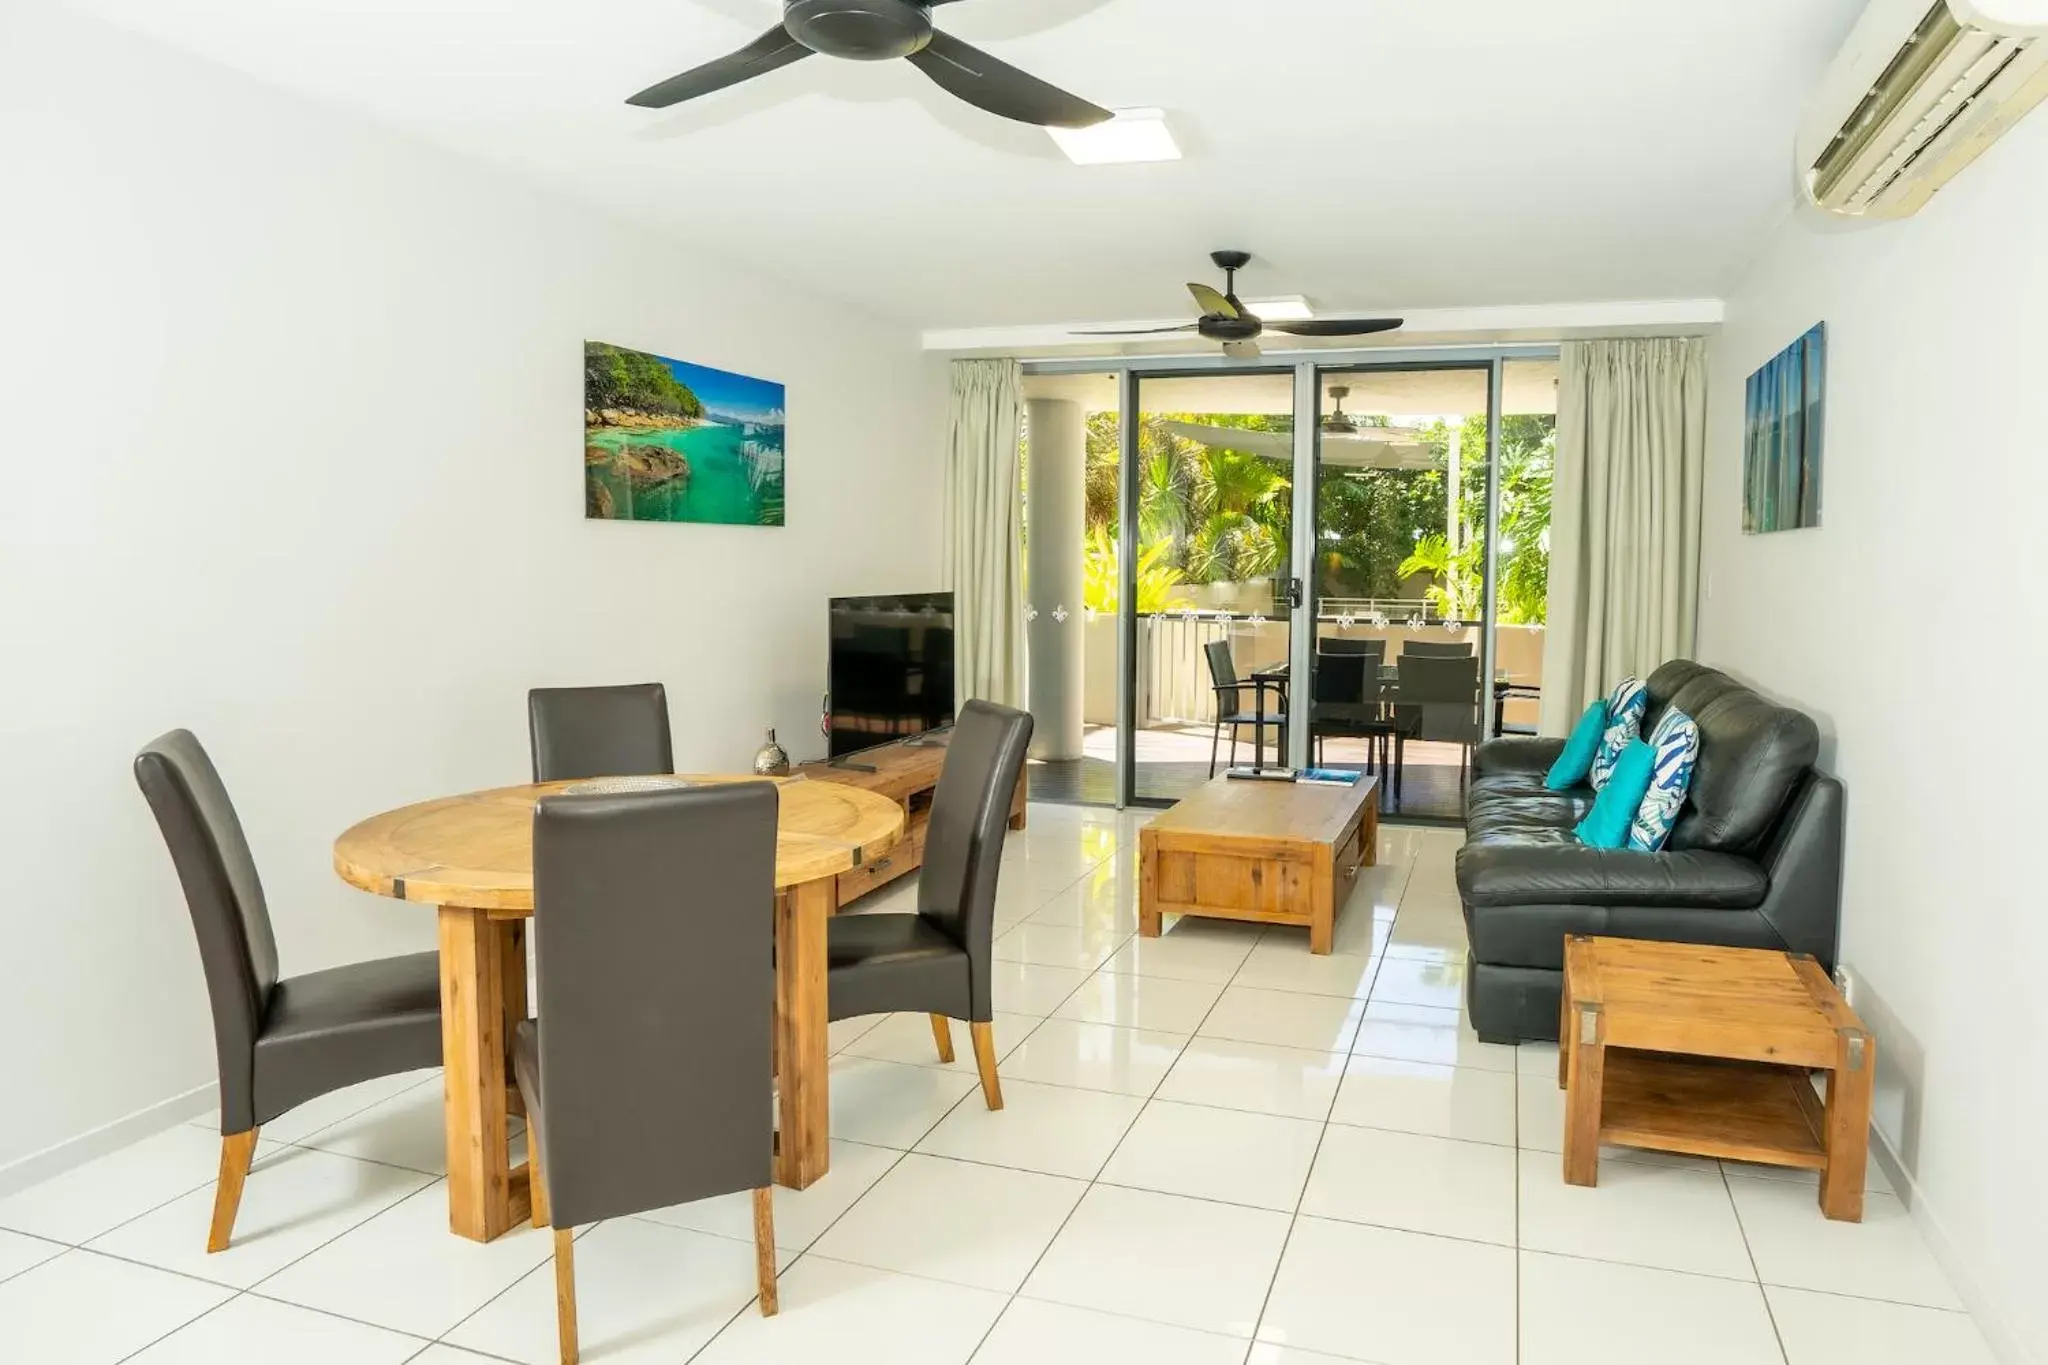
(984,530)
(1625,516)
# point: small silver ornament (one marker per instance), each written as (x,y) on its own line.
(773,759)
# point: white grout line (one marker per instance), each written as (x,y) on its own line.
(1516,1076)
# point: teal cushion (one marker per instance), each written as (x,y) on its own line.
(1676,744)
(1625,707)
(1576,761)
(1614,809)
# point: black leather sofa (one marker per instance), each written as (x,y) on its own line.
(1755,860)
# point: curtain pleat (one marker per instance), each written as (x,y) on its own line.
(1625,516)
(984,530)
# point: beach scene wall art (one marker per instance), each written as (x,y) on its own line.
(665,440)
(1781,438)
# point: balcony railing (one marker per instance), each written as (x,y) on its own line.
(1173,686)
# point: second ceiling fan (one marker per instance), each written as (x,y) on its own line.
(879,30)
(1226,319)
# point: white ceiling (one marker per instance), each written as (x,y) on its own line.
(1375,153)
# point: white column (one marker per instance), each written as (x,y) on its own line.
(1055,524)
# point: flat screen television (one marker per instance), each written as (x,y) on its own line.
(892,668)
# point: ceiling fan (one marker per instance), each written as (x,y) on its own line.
(1226,319)
(1339,422)
(877,30)
(1344,444)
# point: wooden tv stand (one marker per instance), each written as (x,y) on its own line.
(908,773)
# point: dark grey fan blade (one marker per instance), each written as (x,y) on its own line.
(966,71)
(1140,332)
(1336,327)
(773,49)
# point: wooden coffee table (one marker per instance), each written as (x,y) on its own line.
(1269,852)
(1687,1048)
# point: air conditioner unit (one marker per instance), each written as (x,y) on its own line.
(1919,90)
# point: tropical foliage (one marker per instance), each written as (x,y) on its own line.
(1215,515)
(1528,461)
(1381,528)
(1212,515)
(1456,577)
(1157,579)
(619,380)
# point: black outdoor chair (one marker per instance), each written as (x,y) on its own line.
(1436,699)
(1230,710)
(1337,644)
(1345,703)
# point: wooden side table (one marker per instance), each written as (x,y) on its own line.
(1709,1051)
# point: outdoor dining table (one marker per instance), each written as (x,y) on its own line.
(471,856)
(1505,687)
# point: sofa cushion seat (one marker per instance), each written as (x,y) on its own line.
(1537,818)
(1533,935)
(1535,866)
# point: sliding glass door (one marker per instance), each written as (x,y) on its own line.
(1211,478)
(1400,581)
(1342,558)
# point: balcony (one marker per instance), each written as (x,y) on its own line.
(1176,705)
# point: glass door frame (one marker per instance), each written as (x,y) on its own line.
(1308,369)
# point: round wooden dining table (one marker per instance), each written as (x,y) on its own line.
(471,856)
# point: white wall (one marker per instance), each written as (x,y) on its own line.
(290,435)
(1911,622)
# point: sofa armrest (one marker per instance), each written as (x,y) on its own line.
(1570,873)
(1804,858)
(1516,754)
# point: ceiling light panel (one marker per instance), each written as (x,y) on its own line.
(1134,135)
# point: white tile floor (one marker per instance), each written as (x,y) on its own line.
(1216,1151)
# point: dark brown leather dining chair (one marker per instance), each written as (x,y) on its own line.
(648,1075)
(936,961)
(599,731)
(278,1042)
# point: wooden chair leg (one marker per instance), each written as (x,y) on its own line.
(536,1178)
(565,1293)
(985,1060)
(237,1150)
(764,1250)
(942,1034)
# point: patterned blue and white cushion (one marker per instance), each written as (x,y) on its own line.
(1676,741)
(1625,707)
